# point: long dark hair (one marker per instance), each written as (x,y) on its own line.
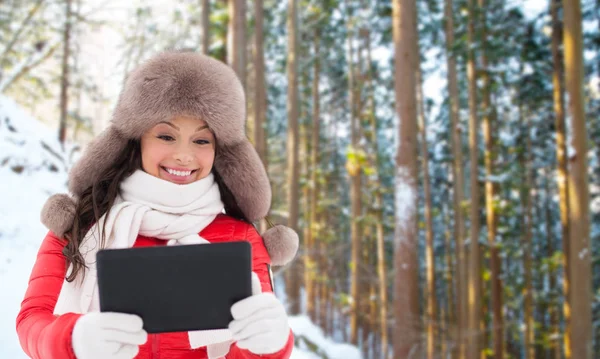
(99,198)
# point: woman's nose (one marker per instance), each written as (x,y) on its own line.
(183,156)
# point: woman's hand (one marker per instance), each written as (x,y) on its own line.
(108,336)
(260,323)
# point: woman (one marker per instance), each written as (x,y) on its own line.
(173,167)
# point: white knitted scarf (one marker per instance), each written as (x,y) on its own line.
(155,208)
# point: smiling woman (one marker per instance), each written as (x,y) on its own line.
(179,151)
(173,168)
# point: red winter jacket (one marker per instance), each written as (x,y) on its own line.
(44,335)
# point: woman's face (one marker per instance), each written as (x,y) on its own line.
(181,150)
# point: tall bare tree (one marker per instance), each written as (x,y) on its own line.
(354,171)
(458,185)
(260,91)
(527,204)
(431,305)
(314,185)
(561,157)
(205,25)
(579,200)
(474,289)
(406,289)
(490,193)
(378,205)
(554,330)
(236,38)
(64,79)
(308,245)
(448,317)
(259,135)
(292,138)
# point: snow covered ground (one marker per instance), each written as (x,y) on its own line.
(22,142)
(29,174)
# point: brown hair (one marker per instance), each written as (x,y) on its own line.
(98,199)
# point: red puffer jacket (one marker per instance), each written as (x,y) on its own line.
(44,335)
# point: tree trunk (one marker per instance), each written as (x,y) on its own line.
(554,329)
(372,332)
(490,193)
(236,38)
(458,188)
(327,264)
(378,208)
(292,141)
(205,24)
(355,196)
(128,57)
(449,318)
(309,251)
(222,54)
(64,80)
(526,204)
(406,289)
(366,266)
(579,203)
(538,253)
(382,275)
(323,286)
(429,249)
(312,191)
(315,215)
(561,156)
(260,94)
(443,328)
(365,318)
(598,70)
(474,294)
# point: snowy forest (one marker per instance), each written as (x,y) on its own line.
(439,159)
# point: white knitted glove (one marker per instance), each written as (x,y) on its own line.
(260,323)
(108,336)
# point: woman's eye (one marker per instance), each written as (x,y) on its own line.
(201,142)
(166,138)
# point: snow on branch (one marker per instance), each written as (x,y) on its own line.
(26,66)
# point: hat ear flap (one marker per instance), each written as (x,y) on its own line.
(98,156)
(244,174)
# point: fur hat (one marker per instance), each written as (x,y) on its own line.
(181,83)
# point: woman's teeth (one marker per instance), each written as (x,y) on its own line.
(179,173)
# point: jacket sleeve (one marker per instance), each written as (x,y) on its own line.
(42,334)
(261,265)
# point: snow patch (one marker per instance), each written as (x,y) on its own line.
(595,206)
(30,171)
(307,335)
(571,152)
(405,199)
(499,178)
(594,88)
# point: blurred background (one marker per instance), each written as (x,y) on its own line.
(440,159)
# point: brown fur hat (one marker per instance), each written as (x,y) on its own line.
(181,83)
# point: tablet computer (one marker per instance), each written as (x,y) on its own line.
(176,288)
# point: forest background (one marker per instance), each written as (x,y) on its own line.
(440,160)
